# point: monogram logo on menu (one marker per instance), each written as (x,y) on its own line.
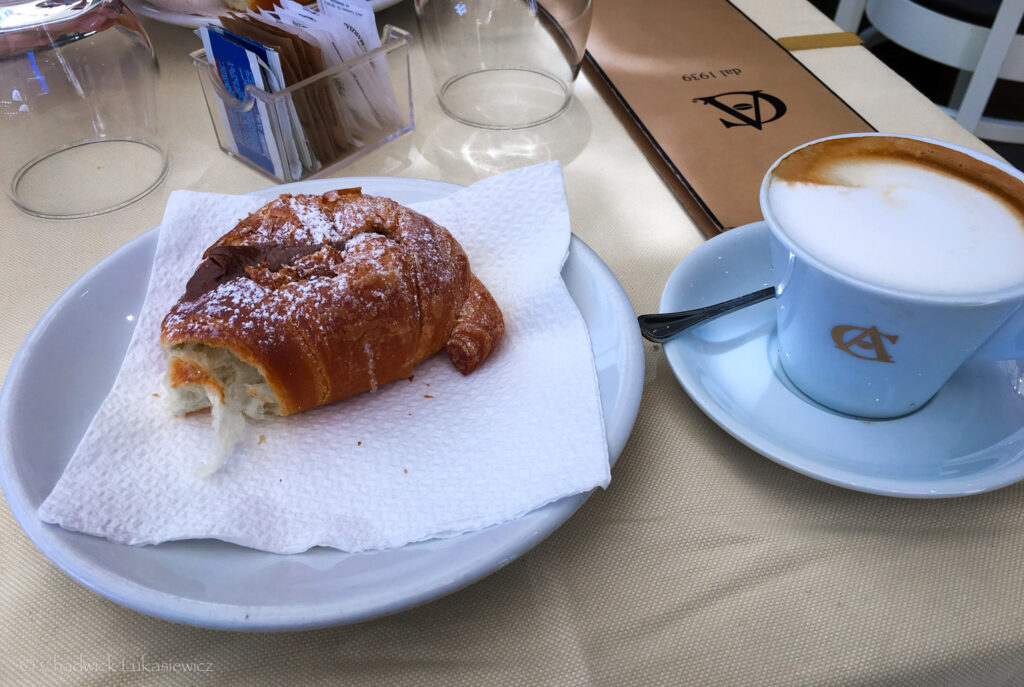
(868,342)
(747,108)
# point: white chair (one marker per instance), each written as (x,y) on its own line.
(982,54)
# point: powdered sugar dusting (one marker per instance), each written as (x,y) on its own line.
(369,363)
(311,224)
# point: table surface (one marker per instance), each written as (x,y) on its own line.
(703,563)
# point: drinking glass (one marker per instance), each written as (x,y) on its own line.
(504,64)
(78,107)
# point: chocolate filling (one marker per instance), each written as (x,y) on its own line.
(224,263)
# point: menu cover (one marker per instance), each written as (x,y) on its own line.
(715,97)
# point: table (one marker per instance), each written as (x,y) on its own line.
(703,563)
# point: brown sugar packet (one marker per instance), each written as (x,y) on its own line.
(322,92)
(310,63)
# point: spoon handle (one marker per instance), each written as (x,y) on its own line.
(661,327)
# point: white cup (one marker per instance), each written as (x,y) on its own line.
(874,313)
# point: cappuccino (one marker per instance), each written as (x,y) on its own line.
(902,214)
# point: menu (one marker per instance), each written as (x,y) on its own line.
(713,99)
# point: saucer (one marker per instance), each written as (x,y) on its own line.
(968,439)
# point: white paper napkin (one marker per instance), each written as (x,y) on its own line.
(432,457)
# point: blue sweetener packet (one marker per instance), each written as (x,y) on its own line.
(295,146)
(252,135)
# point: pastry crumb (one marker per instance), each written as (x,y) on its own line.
(263,437)
(411,377)
(156,395)
(427,396)
(405,470)
(359,443)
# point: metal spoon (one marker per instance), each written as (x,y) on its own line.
(660,327)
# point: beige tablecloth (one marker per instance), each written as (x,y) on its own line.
(703,563)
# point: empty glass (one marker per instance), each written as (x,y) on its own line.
(78,125)
(504,64)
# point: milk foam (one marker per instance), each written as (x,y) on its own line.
(904,226)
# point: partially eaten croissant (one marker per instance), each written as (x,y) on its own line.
(315,298)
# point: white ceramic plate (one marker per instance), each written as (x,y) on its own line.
(67,364)
(194,21)
(968,439)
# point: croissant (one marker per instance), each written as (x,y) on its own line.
(315,298)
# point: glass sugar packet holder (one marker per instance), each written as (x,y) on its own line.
(317,125)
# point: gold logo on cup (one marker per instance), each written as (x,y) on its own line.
(848,337)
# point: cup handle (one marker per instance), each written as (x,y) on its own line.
(1007,343)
